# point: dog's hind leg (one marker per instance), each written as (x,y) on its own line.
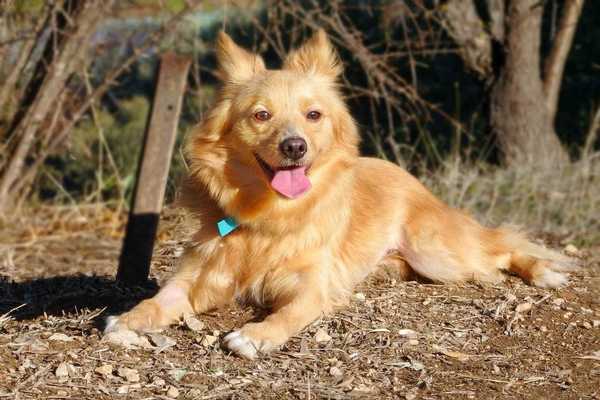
(535,264)
(395,265)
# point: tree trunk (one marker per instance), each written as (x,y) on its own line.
(520,118)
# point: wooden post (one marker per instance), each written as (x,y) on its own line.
(153,170)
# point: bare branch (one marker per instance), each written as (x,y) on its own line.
(58,74)
(497,10)
(463,24)
(555,63)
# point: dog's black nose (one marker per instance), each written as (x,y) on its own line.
(293,148)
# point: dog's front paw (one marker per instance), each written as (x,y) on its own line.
(241,345)
(249,342)
(113,324)
(117,333)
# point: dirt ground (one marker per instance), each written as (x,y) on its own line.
(396,339)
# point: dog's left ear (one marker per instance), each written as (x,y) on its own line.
(235,63)
(315,55)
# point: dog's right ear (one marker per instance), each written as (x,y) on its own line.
(236,64)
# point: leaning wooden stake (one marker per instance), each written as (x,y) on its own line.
(153,170)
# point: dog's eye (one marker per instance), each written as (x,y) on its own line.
(262,116)
(313,115)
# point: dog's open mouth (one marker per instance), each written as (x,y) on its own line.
(289,181)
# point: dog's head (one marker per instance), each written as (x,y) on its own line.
(277,128)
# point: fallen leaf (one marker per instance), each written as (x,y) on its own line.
(411,364)
(161,342)
(321,336)
(454,354)
(363,389)
(208,340)
(30,344)
(172,392)
(62,370)
(125,389)
(60,337)
(407,333)
(193,323)
(105,370)
(131,375)
(523,307)
(158,382)
(177,373)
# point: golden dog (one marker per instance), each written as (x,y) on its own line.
(292,217)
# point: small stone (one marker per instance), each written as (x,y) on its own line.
(587,325)
(62,393)
(596,323)
(412,342)
(360,297)
(558,302)
(321,336)
(60,337)
(173,392)
(193,323)
(62,370)
(209,340)
(523,307)
(571,250)
(567,315)
(407,333)
(335,371)
(105,370)
(125,389)
(543,328)
(158,382)
(410,396)
(177,373)
(131,375)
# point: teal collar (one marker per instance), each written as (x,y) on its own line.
(227,225)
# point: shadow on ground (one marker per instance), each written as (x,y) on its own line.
(65,294)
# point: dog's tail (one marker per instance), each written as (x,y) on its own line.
(534,263)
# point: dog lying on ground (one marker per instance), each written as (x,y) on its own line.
(292,217)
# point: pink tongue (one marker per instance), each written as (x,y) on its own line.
(291,182)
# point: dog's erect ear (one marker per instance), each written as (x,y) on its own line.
(315,55)
(236,64)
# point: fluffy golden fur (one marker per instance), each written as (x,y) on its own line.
(303,256)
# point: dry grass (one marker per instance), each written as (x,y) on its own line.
(565,202)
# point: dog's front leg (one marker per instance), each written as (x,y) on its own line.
(201,283)
(300,301)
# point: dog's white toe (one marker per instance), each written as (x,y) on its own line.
(551,279)
(111,324)
(241,345)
